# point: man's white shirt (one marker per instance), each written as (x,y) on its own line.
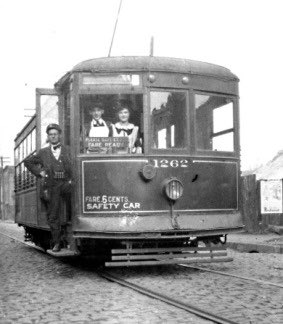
(56,152)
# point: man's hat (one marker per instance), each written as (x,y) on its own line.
(98,104)
(53,126)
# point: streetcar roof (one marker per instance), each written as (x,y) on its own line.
(32,118)
(151,63)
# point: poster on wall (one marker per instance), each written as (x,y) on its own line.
(271,196)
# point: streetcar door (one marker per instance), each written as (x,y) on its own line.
(47,112)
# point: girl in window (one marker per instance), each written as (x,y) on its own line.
(123,128)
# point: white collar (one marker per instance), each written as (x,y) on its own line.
(100,120)
(120,125)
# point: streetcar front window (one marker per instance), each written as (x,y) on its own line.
(168,119)
(111,124)
(214,123)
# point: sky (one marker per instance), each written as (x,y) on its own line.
(42,40)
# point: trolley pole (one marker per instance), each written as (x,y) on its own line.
(3,159)
(151,46)
(114,31)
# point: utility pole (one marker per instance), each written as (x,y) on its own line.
(3,159)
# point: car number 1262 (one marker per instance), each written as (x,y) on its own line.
(170,163)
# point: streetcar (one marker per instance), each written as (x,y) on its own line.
(166,190)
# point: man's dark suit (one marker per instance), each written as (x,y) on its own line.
(57,188)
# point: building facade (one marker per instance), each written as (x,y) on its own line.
(7,195)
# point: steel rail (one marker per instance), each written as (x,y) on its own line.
(188,307)
(171,301)
(232,275)
(182,265)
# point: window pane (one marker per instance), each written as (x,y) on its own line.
(168,119)
(223,118)
(111,124)
(67,121)
(17,151)
(20,152)
(17,177)
(28,144)
(49,114)
(33,140)
(214,114)
(24,149)
(224,142)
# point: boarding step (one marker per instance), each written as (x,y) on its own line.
(155,256)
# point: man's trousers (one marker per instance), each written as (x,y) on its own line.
(59,191)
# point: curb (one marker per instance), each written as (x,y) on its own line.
(256,248)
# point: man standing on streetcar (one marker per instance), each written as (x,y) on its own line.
(53,165)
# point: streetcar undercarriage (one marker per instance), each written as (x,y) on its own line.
(137,252)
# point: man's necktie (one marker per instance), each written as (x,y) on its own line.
(55,147)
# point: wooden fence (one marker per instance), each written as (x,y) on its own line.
(250,203)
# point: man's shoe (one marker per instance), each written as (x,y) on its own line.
(56,248)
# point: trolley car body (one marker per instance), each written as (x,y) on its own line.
(183,184)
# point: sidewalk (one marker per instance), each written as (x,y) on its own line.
(261,243)
(12,229)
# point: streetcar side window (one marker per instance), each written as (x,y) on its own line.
(214,123)
(168,119)
(111,124)
(33,140)
(24,179)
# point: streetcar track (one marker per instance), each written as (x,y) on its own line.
(32,245)
(168,300)
(162,297)
(233,275)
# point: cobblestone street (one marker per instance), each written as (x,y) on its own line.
(239,300)
(141,166)
(36,288)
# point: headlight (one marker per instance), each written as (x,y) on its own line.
(173,188)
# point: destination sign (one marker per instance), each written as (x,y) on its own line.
(121,79)
(107,145)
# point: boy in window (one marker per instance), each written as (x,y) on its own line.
(98,127)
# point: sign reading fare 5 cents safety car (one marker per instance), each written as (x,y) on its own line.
(105,190)
(118,185)
(110,203)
